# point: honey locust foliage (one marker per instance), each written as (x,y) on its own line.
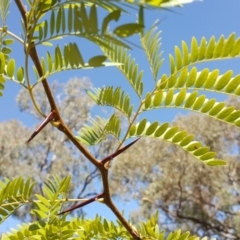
(151,177)
(181,88)
(50,20)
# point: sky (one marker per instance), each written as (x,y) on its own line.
(199,19)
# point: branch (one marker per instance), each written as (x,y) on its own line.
(90,200)
(59,123)
(118,152)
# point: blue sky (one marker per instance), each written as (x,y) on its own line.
(205,18)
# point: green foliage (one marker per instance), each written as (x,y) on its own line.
(112,97)
(14,194)
(180,138)
(151,44)
(52,226)
(127,66)
(176,91)
(99,130)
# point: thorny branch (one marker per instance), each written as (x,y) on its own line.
(58,122)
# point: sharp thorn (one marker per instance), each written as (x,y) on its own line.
(48,119)
(110,157)
(90,200)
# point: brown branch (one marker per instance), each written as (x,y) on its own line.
(59,123)
(90,200)
(58,120)
(51,116)
(118,152)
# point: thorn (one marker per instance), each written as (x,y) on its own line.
(110,157)
(48,119)
(90,200)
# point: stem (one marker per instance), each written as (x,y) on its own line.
(59,123)
(110,204)
(120,217)
(90,200)
(12,35)
(39,201)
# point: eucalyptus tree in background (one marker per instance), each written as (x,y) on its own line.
(44,21)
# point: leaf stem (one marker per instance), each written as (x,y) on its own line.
(12,35)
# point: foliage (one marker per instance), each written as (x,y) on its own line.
(205,200)
(181,88)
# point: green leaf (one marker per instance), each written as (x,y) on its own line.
(191,99)
(219,47)
(97,61)
(141,126)
(161,129)
(215,162)
(200,151)
(141,18)
(180,97)
(148,100)
(236,48)
(201,79)
(233,84)
(7,41)
(158,97)
(11,68)
(202,49)
(233,116)
(6,50)
(194,50)
(151,129)
(2,63)
(199,102)
(169,97)
(209,104)
(228,45)
(172,81)
(211,80)
(224,80)
(52,23)
(129,29)
(93,19)
(20,74)
(225,112)
(178,57)
(210,48)
(59,20)
(111,16)
(216,109)
(193,145)
(170,133)
(186,140)
(185,54)
(70,18)
(182,78)
(207,156)
(132,130)
(172,64)
(191,77)
(85,20)
(179,136)
(162,82)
